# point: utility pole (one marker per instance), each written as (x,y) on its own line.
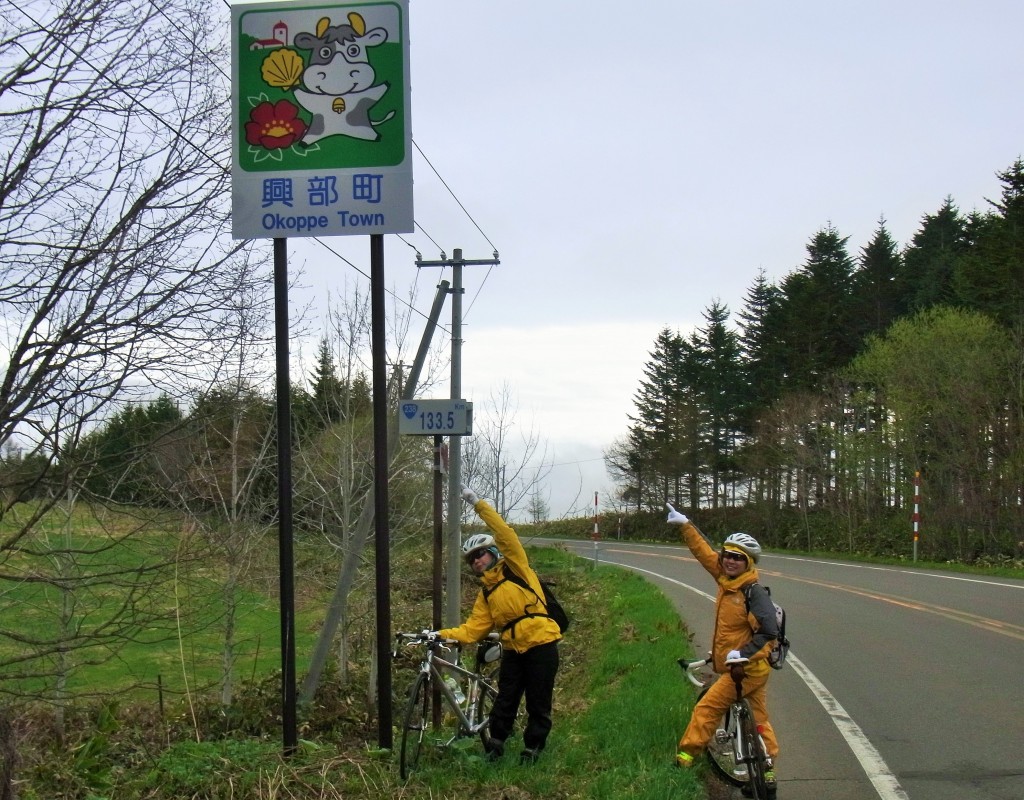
(453,540)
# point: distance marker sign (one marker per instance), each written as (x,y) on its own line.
(321,135)
(438,417)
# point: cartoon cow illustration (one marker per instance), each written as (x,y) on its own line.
(338,81)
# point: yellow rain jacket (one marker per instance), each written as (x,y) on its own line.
(734,626)
(501,602)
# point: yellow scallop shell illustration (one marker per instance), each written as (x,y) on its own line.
(283,69)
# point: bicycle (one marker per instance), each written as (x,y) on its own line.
(736,752)
(431,690)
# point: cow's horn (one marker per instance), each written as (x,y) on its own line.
(322,25)
(357,23)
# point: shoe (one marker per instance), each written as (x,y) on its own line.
(770,785)
(529,756)
(684,760)
(495,749)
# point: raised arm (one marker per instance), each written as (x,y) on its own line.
(694,539)
(506,538)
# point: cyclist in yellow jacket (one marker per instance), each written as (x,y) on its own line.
(529,638)
(742,639)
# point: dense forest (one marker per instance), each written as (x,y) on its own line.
(840,384)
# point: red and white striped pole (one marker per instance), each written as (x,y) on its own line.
(917,510)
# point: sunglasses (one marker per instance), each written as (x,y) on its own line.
(728,555)
(475,555)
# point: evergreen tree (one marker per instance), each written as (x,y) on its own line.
(777,401)
(718,383)
(876,302)
(931,259)
(656,428)
(330,398)
(760,350)
(815,313)
(990,277)
(122,456)
(360,395)
(233,444)
(328,392)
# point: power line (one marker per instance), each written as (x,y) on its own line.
(574,463)
(394,296)
(446,186)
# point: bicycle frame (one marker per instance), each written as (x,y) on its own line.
(429,693)
(748,753)
(436,667)
(738,712)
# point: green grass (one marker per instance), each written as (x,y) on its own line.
(620,705)
(168,622)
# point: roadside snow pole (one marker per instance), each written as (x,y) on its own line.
(595,529)
(917,508)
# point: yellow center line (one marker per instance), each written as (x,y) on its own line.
(978,621)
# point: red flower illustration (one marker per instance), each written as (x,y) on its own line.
(274,125)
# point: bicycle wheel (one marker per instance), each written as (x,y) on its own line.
(721,754)
(757,762)
(416,725)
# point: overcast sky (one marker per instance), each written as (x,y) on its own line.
(634,162)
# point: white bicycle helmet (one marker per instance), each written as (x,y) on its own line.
(479,541)
(745,543)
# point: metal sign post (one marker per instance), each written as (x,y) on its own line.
(322,147)
(453,418)
(457,262)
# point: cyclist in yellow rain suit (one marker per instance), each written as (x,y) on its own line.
(529,637)
(739,634)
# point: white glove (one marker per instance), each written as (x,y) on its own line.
(734,657)
(429,635)
(469,495)
(675,517)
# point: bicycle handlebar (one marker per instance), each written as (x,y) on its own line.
(691,667)
(422,638)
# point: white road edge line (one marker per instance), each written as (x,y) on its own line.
(871,762)
(878,772)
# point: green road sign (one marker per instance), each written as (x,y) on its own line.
(321,134)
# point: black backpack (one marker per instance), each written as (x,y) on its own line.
(551,605)
(777,655)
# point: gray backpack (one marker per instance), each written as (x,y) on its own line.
(779,651)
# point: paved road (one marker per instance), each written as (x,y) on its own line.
(904,684)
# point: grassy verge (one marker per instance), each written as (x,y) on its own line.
(620,706)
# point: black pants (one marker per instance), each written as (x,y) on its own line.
(531,673)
